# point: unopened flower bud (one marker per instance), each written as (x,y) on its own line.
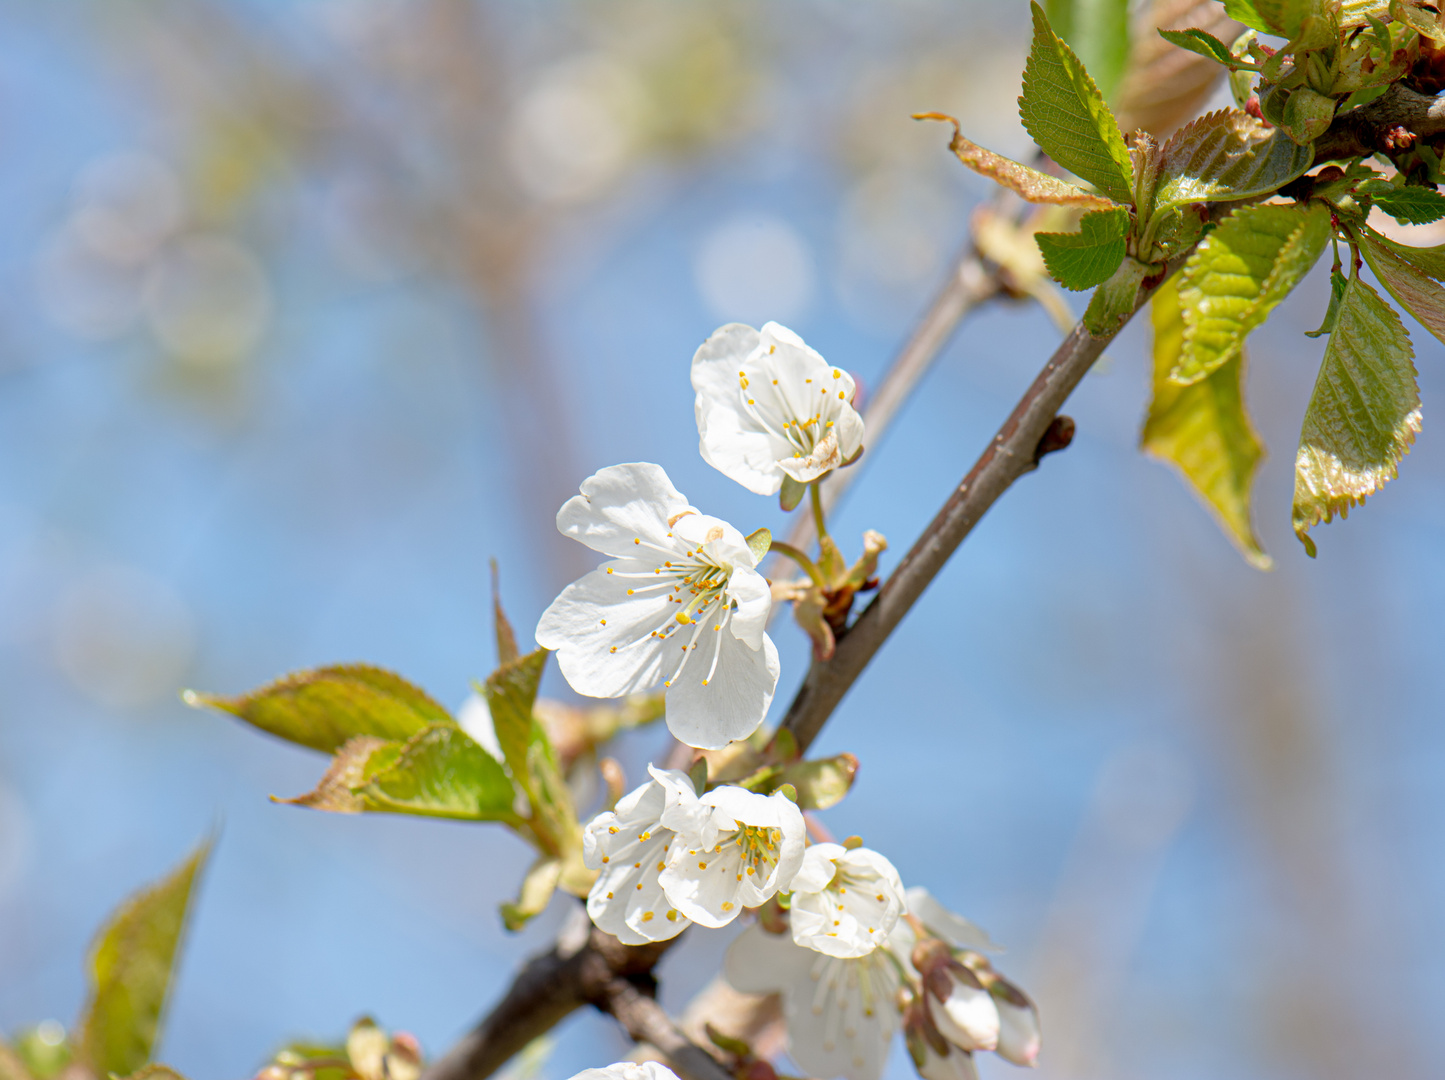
(961,1008)
(956,1064)
(1019,1037)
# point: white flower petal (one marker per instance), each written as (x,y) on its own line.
(954,929)
(603,636)
(957,1065)
(629,1070)
(620,505)
(841,1021)
(629,845)
(758,962)
(845,903)
(475,718)
(773,410)
(737,695)
(754,598)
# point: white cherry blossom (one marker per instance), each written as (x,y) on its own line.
(629,1070)
(1019,1037)
(939,921)
(845,902)
(629,845)
(841,1013)
(747,848)
(962,1010)
(680,603)
(769,407)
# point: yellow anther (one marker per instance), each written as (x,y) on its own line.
(672,916)
(702,866)
(609,896)
(613,649)
(661,867)
(727,906)
(637,866)
(604,622)
(607,858)
(880,898)
(637,540)
(836,373)
(639,886)
(609,569)
(840,395)
(630,592)
(647,916)
(645,836)
(742,374)
(612,829)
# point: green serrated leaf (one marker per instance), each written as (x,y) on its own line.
(1244,11)
(1332,311)
(511,691)
(1238,274)
(1203,430)
(759,541)
(325,707)
(130,970)
(1098,32)
(1415,291)
(1115,301)
(353,765)
(1429,261)
(1411,205)
(1090,256)
(1201,42)
(1029,184)
(537,889)
(441,773)
(1225,156)
(1064,113)
(1363,415)
(1417,17)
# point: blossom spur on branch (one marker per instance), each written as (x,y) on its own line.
(677,579)
(771,409)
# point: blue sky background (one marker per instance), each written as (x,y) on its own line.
(1200,805)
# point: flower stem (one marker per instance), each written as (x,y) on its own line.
(801,558)
(817,498)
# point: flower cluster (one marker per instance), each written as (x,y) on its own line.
(680,601)
(926,976)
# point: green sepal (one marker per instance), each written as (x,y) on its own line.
(1115,301)
(1064,112)
(1362,417)
(325,707)
(1090,256)
(130,970)
(1238,274)
(791,494)
(1307,115)
(1204,430)
(759,541)
(698,775)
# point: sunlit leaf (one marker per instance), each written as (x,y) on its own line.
(1332,312)
(349,771)
(1363,415)
(1418,293)
(821,783)
(1429,261)
(324,708)
(1225,156)
(1083,259)
(1238,274)
(511,691)
(759,541)
(441,773)
(1201,42)
(1203,430)
(130,971)
(1029,184)
(1098,32)
(1064,113)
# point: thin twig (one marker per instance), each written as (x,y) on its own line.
(646,1022)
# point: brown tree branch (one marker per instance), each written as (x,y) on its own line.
(1376,127)
(647,1023)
